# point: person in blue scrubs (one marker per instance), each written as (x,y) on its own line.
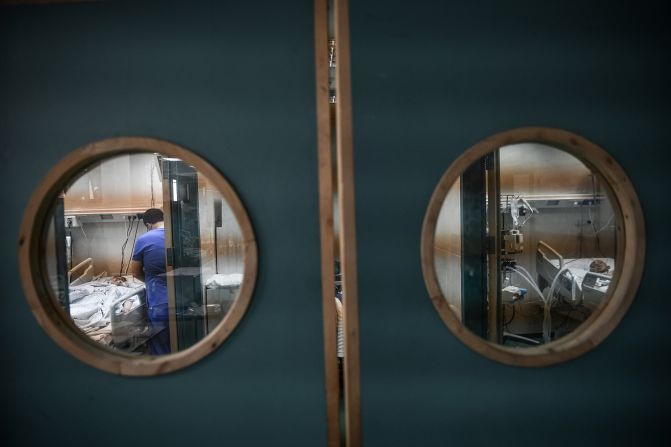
(148,265)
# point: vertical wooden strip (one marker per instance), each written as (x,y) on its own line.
(326,223)
(170,277)
(348,261)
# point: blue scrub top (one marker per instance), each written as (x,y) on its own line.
(150,250)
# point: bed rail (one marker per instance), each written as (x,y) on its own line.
(82,272)
(125,296)
(80,269)
(542,245)
(129,329)
(594,287)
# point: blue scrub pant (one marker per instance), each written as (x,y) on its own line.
(159,343)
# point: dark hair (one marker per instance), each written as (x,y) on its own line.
(152,215)
(598,266)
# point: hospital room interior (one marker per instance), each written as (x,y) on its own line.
(95,225)
(555,228)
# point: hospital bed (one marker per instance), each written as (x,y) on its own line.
(221,290)
(111,314)
(576,284)
(115,315)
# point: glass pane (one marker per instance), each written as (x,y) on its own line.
(144,253)
(525,245)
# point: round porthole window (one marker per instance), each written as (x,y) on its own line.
(533,246)
(137,256)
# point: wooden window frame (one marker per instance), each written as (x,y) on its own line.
(630,250)
(40,296)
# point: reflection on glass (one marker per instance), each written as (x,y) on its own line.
(525,245)
(143,253)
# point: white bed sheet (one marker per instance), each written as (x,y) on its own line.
(219,280)
(580,266)
(90,305)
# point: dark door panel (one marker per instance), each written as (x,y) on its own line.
(429,80)
(234,83)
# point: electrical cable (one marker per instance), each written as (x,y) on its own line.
(506,323)
(81,225)
(567,315)
(137,224)
(589,211)
(597,242)
(151,181)
(86,238)
(607,224)
(123,247)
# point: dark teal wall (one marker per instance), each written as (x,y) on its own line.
(234,82)
(432,78)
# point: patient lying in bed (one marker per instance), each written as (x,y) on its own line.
(90,304)
(599,266)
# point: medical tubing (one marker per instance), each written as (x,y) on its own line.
(522,271)
(534,286)
(605,226)
(547,300)
(514,270)
(526,275)
(547,318)
(531,283)
(589,213)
